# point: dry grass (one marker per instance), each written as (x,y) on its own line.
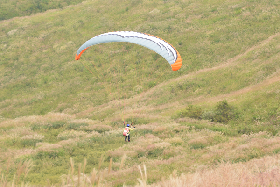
(80,179)
(198,140)
(69,141)
(122,161)
(241,148)
(98,126)
(38,119)
(143,180)
(47,146)
(18,153)
(21,122)
(257,172)
(261,172)
(235,147)
(148,126)
(119,152)
(159,129)
(71,134)
(175,140)
(22,169)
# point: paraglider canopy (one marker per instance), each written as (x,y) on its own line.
(154,43)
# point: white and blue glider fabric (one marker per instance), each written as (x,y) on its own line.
(154,43)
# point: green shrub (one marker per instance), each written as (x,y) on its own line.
(208,115)
(223,112)
(192,111)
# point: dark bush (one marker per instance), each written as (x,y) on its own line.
(223,112)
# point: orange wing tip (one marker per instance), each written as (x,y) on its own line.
(178,63)
(77,57)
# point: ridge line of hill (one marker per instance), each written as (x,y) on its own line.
(226,64)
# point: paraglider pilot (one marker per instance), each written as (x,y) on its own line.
(126,131)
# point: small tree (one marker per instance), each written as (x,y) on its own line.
(223,112)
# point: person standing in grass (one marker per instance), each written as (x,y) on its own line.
(126,131)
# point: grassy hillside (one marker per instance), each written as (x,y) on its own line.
(221,106)
(16,8)
(38,51)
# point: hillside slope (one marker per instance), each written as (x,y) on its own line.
(53,108)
